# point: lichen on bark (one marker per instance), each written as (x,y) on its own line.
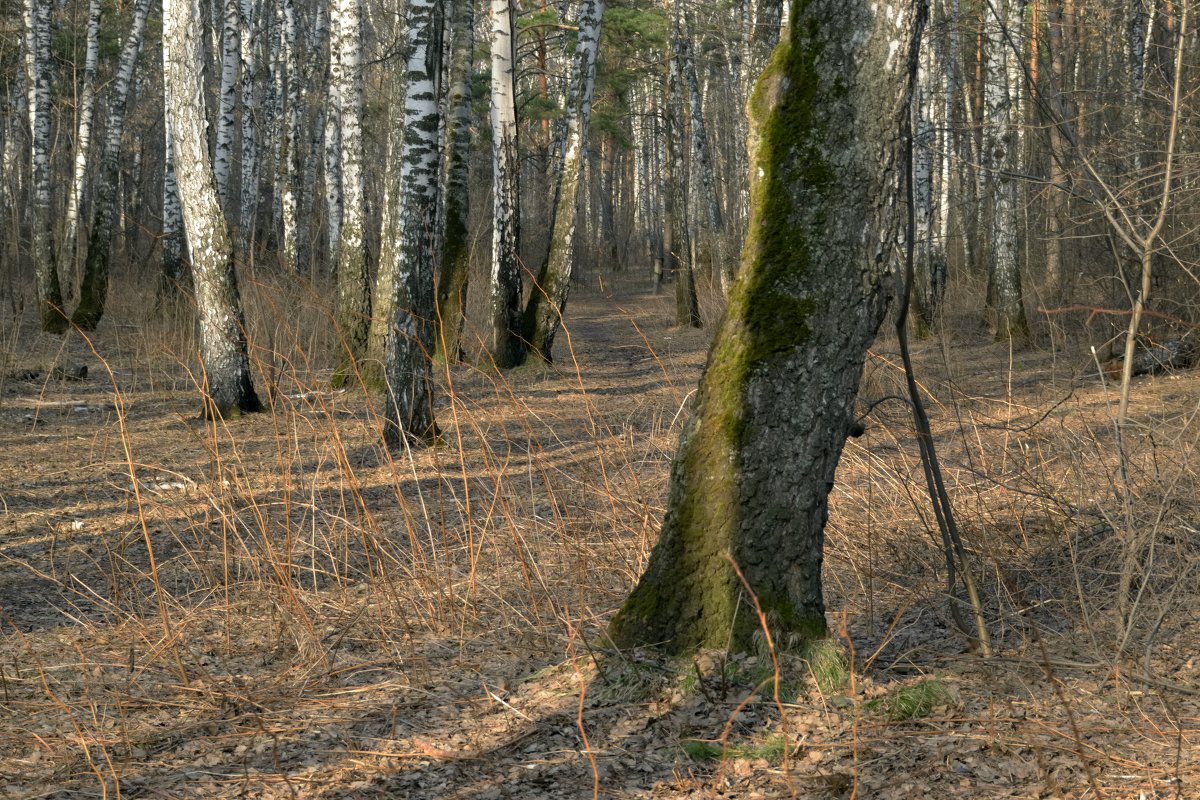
(755,463)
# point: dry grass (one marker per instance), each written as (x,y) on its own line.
(275,606)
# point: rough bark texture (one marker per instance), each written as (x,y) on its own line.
(1000,154)
(353,274)
(756,461)
(676,241)
(452,283)
(226,366)
(506,347)
(93,292)
(84,139)
(408,341)
(548,301)
(37,81)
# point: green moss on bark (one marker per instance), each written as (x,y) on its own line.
(690,596)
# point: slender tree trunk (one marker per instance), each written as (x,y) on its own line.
(408,345)
(548,301)
(456,264)
(755,464)
(248,202)
(94,289)
(37,81)
(676,245)
(227,100)
(929,268)
(83,140)
(353,271)
(226,366)
(506,346)
(1007,313)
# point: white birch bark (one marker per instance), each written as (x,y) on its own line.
(37,82)
(227,100)
(408,342)
(174,269)
(226,378)
(289,156)
(83,139)
(248,201)
(346,85)
(999,162)
(504,343)
(94,288)
(548,302)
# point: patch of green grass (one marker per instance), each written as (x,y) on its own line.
(828,665)
(772,749)
(914,702)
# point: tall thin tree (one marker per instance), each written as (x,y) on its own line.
(228,388)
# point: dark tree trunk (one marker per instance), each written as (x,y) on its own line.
(756,462)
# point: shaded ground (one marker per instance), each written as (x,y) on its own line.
(321,620)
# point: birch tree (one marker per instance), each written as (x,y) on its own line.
(83,139)
(548,302)
(37,83)
(1000,153)
(346,86)
(94,290)
(231,51)
(755,464)
(676,245)
(408,274)
(505,345)
(227,384)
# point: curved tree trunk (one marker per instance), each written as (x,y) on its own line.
(548,302)
(93,291)
(226,366)
(751,478)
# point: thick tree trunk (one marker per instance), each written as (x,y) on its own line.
(505,346)
(226,366)
(548,301)
(94,290)
(37,82)
(408,341)
(456,261)
(752,475)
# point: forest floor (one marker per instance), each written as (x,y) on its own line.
(273,606)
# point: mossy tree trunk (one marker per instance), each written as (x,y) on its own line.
(755,465)
(456,255)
